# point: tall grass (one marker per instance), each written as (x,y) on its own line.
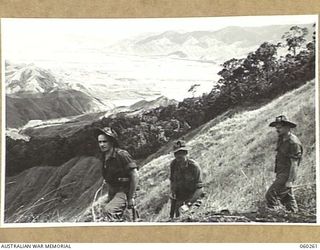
(237,158)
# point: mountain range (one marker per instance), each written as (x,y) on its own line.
(56,104)
(216,46)
(30,79)
(167,64)
(33,93)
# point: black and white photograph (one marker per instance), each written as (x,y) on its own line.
(159,121)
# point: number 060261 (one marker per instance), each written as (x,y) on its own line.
(309,246)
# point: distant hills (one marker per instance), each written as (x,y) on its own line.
(33,93)
(29,79)
(56,104)
(145,105)
(79,91)
(216,46)
(67,127)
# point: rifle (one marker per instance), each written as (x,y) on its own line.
(94,200)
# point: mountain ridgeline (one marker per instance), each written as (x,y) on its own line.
(56,104)
(30,79)
(33,93)
(226,129)
(215,46)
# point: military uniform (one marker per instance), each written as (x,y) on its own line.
(116,173)
(119,172)
(185,181)
(288,148)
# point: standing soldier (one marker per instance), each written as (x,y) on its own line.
(185,180)
(289,152)
(119,172)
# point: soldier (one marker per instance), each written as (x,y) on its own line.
(289,153)
(185,180)
(119,172)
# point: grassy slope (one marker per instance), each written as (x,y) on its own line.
(52,193)
(236,155)
(237,158)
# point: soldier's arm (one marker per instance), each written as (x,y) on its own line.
(199,185)
(196,195)
(134,180)
(131,166)
(295,155)
(172,190)
(172,181)
(293,167)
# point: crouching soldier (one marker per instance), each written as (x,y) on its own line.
(185,180)
(289,152)
(119,172)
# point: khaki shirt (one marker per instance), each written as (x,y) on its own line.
(185,180)
(116,170)
(287,149)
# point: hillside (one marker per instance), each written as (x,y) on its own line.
(67,127)
(58,140)
(52,193)
(30,79)
(237,158)
(235,152)
(34,93)
(56,104)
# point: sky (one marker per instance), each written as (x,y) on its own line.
(23,39)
